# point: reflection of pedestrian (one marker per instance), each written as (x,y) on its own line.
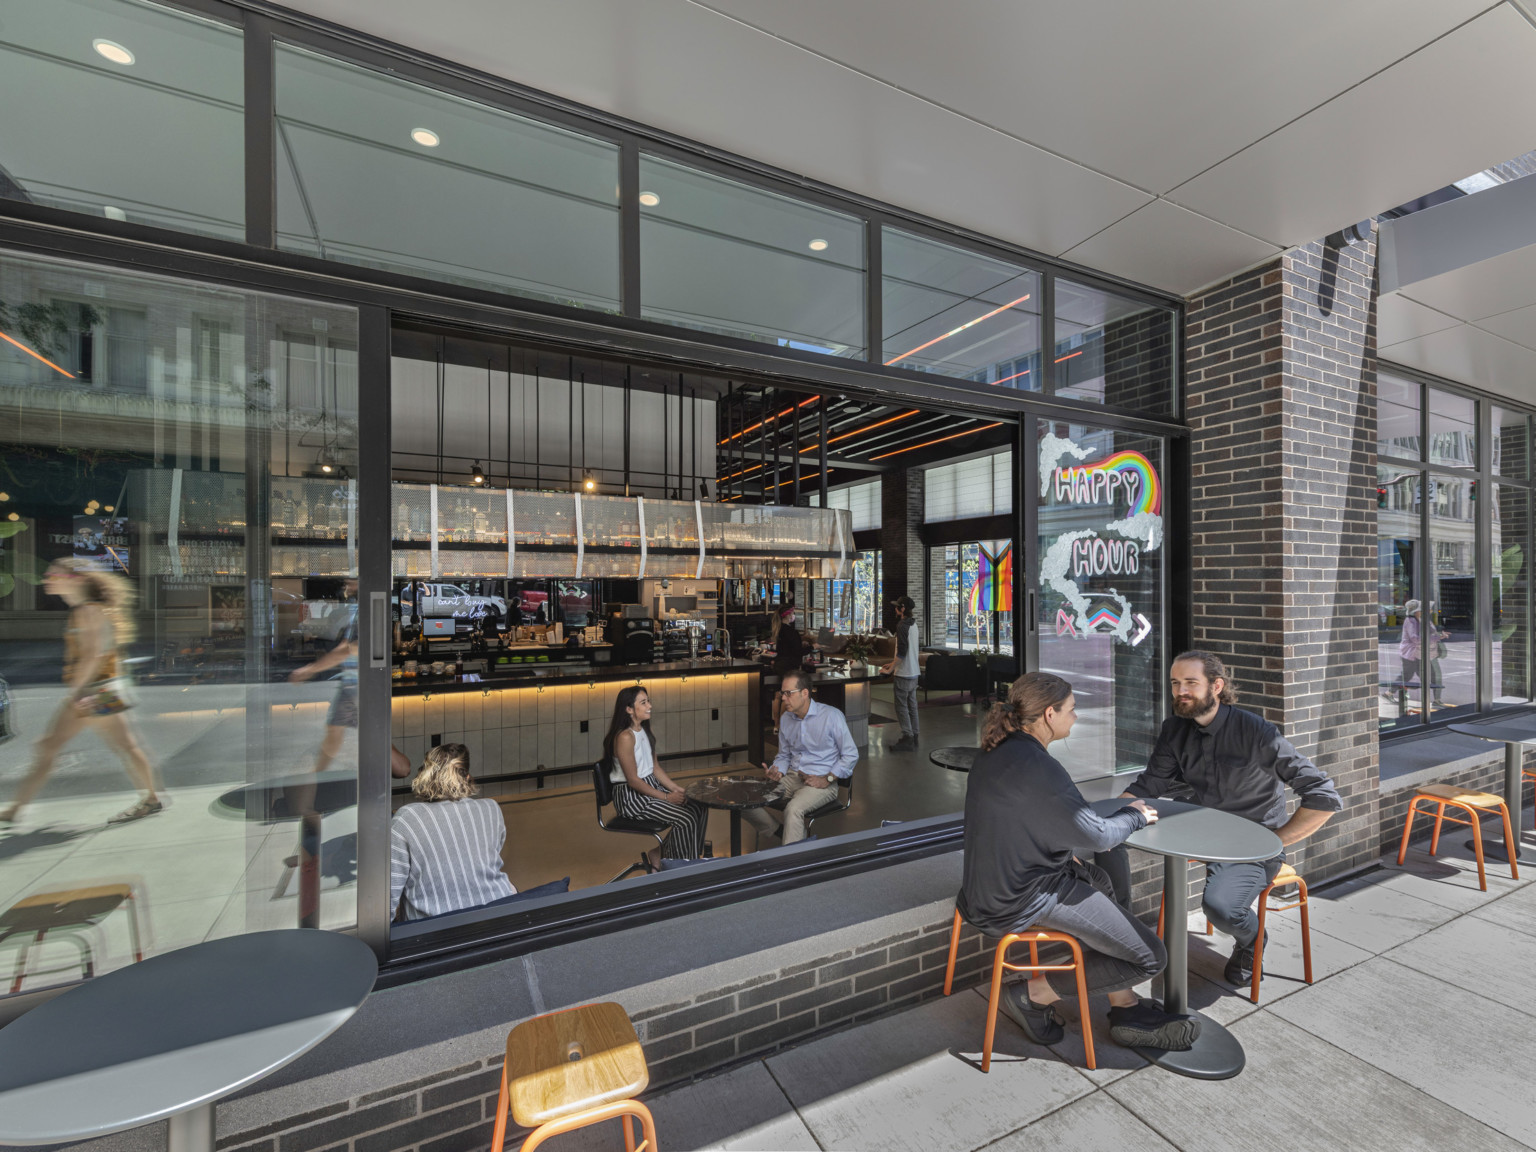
(343,713)
(99,624)
(1434,653)
(1410,649)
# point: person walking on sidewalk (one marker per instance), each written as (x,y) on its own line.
(904,670)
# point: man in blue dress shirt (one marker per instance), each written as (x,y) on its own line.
(816,751)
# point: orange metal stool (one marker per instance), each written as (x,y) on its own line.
(1034,938)
(1286,877)
(1162,911)
(570,1069)
(1443,796)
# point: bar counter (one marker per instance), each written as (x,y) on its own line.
(569,671)
(543,726)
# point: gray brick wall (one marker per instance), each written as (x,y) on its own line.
(454,1110)
(1281,400)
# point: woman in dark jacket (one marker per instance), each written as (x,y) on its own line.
(1027,828)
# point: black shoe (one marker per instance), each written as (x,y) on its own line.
(905,744)
(1146,1025)
(1239,970)
(1042,1025)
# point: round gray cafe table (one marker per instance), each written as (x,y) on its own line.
(958,759)
(1186,832)
(1512,736)
(735,794)
(168,1037)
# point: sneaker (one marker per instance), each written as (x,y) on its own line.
(1239,969)
(1042,1025)
(140,810)
(1146,1025)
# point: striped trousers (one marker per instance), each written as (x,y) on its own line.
(688,819)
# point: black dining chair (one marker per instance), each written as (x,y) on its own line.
(602,787)
(845,789)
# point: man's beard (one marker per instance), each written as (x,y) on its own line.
(1198,706)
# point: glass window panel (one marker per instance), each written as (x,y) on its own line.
(1510,583)
(132,112)
(951,561)
(958,313)
(376,171)
(1110,349)
(1511,443)
(1450,628)
(1101,587)
(1399,598)
(974,632)
(720,256)
(979,487)
(199,475)
(1452,430)
(1397,417)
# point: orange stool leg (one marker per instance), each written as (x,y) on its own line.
(1162,910)
(1477,845)
(1434,840)
(954,949)
(1306,931)
(993,1001)
(499,1136)
(617,1109)
(1081,972)
(1510,843)
(1402,849)
(1258,945)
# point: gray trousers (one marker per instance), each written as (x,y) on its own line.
(1119,951)
(906,704)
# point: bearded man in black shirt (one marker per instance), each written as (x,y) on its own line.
(1238,762)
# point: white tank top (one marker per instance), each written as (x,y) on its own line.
(645,761)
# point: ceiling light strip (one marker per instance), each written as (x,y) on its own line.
(962,328)
(940,440)
(861,431)
(768,420)
(1015,376)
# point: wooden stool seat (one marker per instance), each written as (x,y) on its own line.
(66,912)
(1453,794)
(569,1069)
(1285,877)
(1443,796)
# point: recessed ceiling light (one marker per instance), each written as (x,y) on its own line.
(650,199)
(818,245)
(426,137)
(112,51)
(13,517)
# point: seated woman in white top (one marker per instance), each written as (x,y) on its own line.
(445,854)
(641,790)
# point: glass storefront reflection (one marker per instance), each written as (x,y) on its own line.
(1101,587)
(177,536)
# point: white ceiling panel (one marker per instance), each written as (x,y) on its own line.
(1461,104)
(1150,93)
(682,68)
(1171,248)
(1399,318)
(1487,288)
(1519,326)
(1471,356)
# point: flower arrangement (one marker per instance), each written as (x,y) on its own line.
(860,647)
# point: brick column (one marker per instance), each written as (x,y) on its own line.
(901,547)
(1281,395)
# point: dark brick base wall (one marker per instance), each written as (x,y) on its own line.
(454,1110)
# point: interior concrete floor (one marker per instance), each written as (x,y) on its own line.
(1418,1032)
(556,835)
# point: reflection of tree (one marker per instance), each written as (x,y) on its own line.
(47,327)
(12,569)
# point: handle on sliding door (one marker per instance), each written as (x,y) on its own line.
(378,630)
(1030,610)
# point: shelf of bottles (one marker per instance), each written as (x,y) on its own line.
(192,524)
(565,534)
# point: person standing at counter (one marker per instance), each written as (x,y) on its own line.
(788,644)
(816,750)
(641,790)
(904,671)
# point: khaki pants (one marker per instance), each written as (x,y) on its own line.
(799,799)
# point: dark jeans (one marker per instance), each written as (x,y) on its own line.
(1230,890)
(1119,951)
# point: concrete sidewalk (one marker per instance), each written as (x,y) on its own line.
(1418,1032)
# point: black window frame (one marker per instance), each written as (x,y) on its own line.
(384,298)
